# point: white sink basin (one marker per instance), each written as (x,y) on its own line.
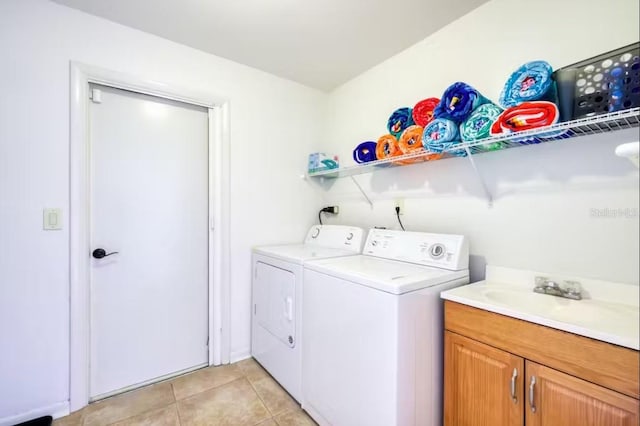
(589,312)
(613,322)
(561,309)
(527,301)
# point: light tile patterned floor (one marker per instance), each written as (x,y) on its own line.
(236,394)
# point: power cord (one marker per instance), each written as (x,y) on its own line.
(398,216)
(330,209)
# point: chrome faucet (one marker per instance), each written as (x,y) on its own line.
(568,289)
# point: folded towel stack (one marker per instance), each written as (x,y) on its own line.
(458,102)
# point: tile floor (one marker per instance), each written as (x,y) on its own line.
(238,394)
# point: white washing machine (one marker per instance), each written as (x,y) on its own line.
(277,296)
(373,330)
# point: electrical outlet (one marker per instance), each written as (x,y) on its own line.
(399,202)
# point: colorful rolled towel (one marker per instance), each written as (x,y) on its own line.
(365,152)
(440,135)
(423,111)
(533,81)
(399,121)
(478,126)
(411,141)
(527,116)
(387,147)
(458,102)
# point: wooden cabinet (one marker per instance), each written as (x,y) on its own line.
(491,360)
(560,399)
(483,386)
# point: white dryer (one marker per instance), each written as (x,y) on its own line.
(277,298)
(373,330)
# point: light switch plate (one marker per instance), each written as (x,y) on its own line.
(52,219)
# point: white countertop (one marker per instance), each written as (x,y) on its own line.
(608,311)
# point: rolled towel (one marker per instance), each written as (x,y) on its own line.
(478,126)
(458,102)
(527,116)
(399,121)
(440,135)
(387,147)
(533,81)
(423,111)
(410,142)
(365,152)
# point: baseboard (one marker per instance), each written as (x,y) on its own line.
(239,355)
(57,410)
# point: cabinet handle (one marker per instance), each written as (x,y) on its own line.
(531,392)
(514,376)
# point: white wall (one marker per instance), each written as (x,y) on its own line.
(541,219)
(274,124)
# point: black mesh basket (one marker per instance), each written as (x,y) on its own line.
(606,83)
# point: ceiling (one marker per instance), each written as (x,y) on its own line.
(321,44)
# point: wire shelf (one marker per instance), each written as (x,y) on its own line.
(604,123)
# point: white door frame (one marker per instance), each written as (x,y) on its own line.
(79,215)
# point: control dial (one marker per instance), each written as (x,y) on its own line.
(437,251)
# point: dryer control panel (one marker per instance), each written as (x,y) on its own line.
(336,236)
(446,251)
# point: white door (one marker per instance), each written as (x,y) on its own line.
(149,203)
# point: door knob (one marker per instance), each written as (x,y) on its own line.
(99,253)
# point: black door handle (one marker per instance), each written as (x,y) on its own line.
(100,253)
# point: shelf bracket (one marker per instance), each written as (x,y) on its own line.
(487,193)
(355,182)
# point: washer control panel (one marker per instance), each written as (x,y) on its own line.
(445,251)
(336,236)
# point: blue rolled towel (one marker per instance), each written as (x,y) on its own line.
(365,152)
(458,102)
(533,81)
(399,121)
(440,135)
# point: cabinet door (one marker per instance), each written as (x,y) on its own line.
(557,399)
(483,386)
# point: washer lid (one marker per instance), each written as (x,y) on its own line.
(300,253)
(391,276)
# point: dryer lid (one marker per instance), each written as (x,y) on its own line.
(322,241)
(300,253)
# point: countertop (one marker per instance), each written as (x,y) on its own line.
(608,312)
